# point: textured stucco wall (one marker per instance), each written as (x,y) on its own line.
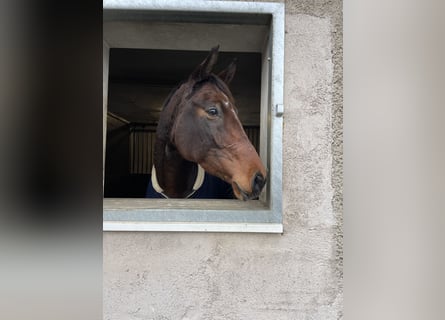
(297,275)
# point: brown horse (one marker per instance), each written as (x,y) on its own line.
(199,130)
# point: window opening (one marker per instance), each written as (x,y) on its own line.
(139,82)
(192,27)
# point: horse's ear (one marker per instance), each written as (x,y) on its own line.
(228,73)
(205,68)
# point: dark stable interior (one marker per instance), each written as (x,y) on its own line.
(139,82)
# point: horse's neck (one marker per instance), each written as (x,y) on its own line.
(175,175)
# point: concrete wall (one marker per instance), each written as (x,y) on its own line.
(297,275)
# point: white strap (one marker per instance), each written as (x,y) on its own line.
(155,183)
(198,181)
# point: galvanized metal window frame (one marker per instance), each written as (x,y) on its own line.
(264,215)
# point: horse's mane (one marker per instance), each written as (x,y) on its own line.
(171,94)
(211,78)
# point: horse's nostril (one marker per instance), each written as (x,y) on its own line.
(258,183)
(259,178)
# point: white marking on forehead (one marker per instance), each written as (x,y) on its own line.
(226,102)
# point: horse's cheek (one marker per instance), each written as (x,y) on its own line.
(190,140)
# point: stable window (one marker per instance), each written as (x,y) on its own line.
(148,49)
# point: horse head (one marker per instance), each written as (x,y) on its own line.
(200,122)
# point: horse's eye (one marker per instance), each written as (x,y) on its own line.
(212,111)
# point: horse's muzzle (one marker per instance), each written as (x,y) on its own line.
(258,182)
